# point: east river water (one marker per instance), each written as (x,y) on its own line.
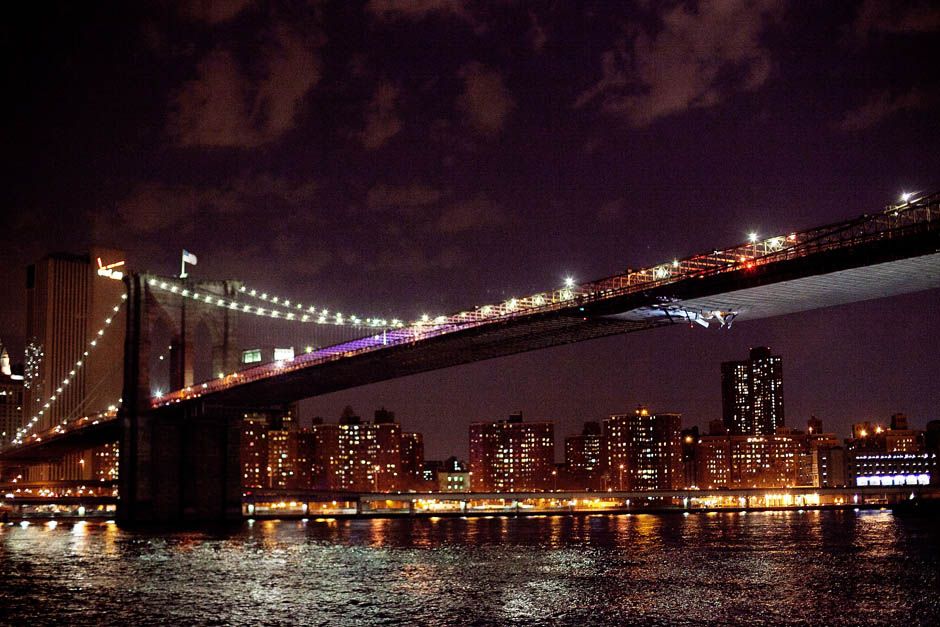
(829,568)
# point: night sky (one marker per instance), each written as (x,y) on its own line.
(403,158)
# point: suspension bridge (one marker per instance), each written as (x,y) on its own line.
(179,439)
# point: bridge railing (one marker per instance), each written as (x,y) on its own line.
(896,221)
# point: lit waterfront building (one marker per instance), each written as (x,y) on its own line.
(887,469)
(644,450)
(765,461)
(368,454)
(280,468)
(752,394)
(453,476)
(357,451)
(829,467)
(690,456)
(584,456)
(412,459)
(301,448)
(714,462)
(253,447)
(752,461)
(388,458)
(104,462)
(325,458)
(512,455)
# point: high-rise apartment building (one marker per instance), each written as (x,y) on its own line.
(325,461)
(412,459)
(512,455)
(253,446)
(752,394)
(388,453)
(644,450)
(266,458)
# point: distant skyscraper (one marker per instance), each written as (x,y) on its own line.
(752,394)
(512,455)
(11,399)
(67,301)
(69,298)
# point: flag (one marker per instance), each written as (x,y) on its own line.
(189,258)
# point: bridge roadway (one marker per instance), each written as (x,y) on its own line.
(855,261)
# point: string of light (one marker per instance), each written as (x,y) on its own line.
(278,309)
(28,427)
(285,309)
(323,316)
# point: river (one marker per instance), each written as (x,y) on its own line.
(831,567)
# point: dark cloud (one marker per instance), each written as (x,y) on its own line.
(702,53)
(612,210)
(882,106)
(382,119)
(537,35)
(418,9)
(402,196)
(892,16)
(213,11)
(153,208)
(466,215)
(485,102)
(242,104)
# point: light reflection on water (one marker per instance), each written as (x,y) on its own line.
(770,568)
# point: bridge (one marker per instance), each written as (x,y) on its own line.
(179,448)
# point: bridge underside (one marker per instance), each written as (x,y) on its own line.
(893,278)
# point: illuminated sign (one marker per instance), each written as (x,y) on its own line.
(283,354)
(109,271)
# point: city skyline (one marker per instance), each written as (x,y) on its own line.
(480,312)
(345,165)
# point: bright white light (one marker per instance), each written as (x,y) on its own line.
(752,237)
(569,282)
(906,196)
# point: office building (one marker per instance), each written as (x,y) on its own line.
(11,399)
(70,318)
(68,300)
(512,455)
(752,394)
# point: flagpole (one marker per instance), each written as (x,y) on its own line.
(183,265)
